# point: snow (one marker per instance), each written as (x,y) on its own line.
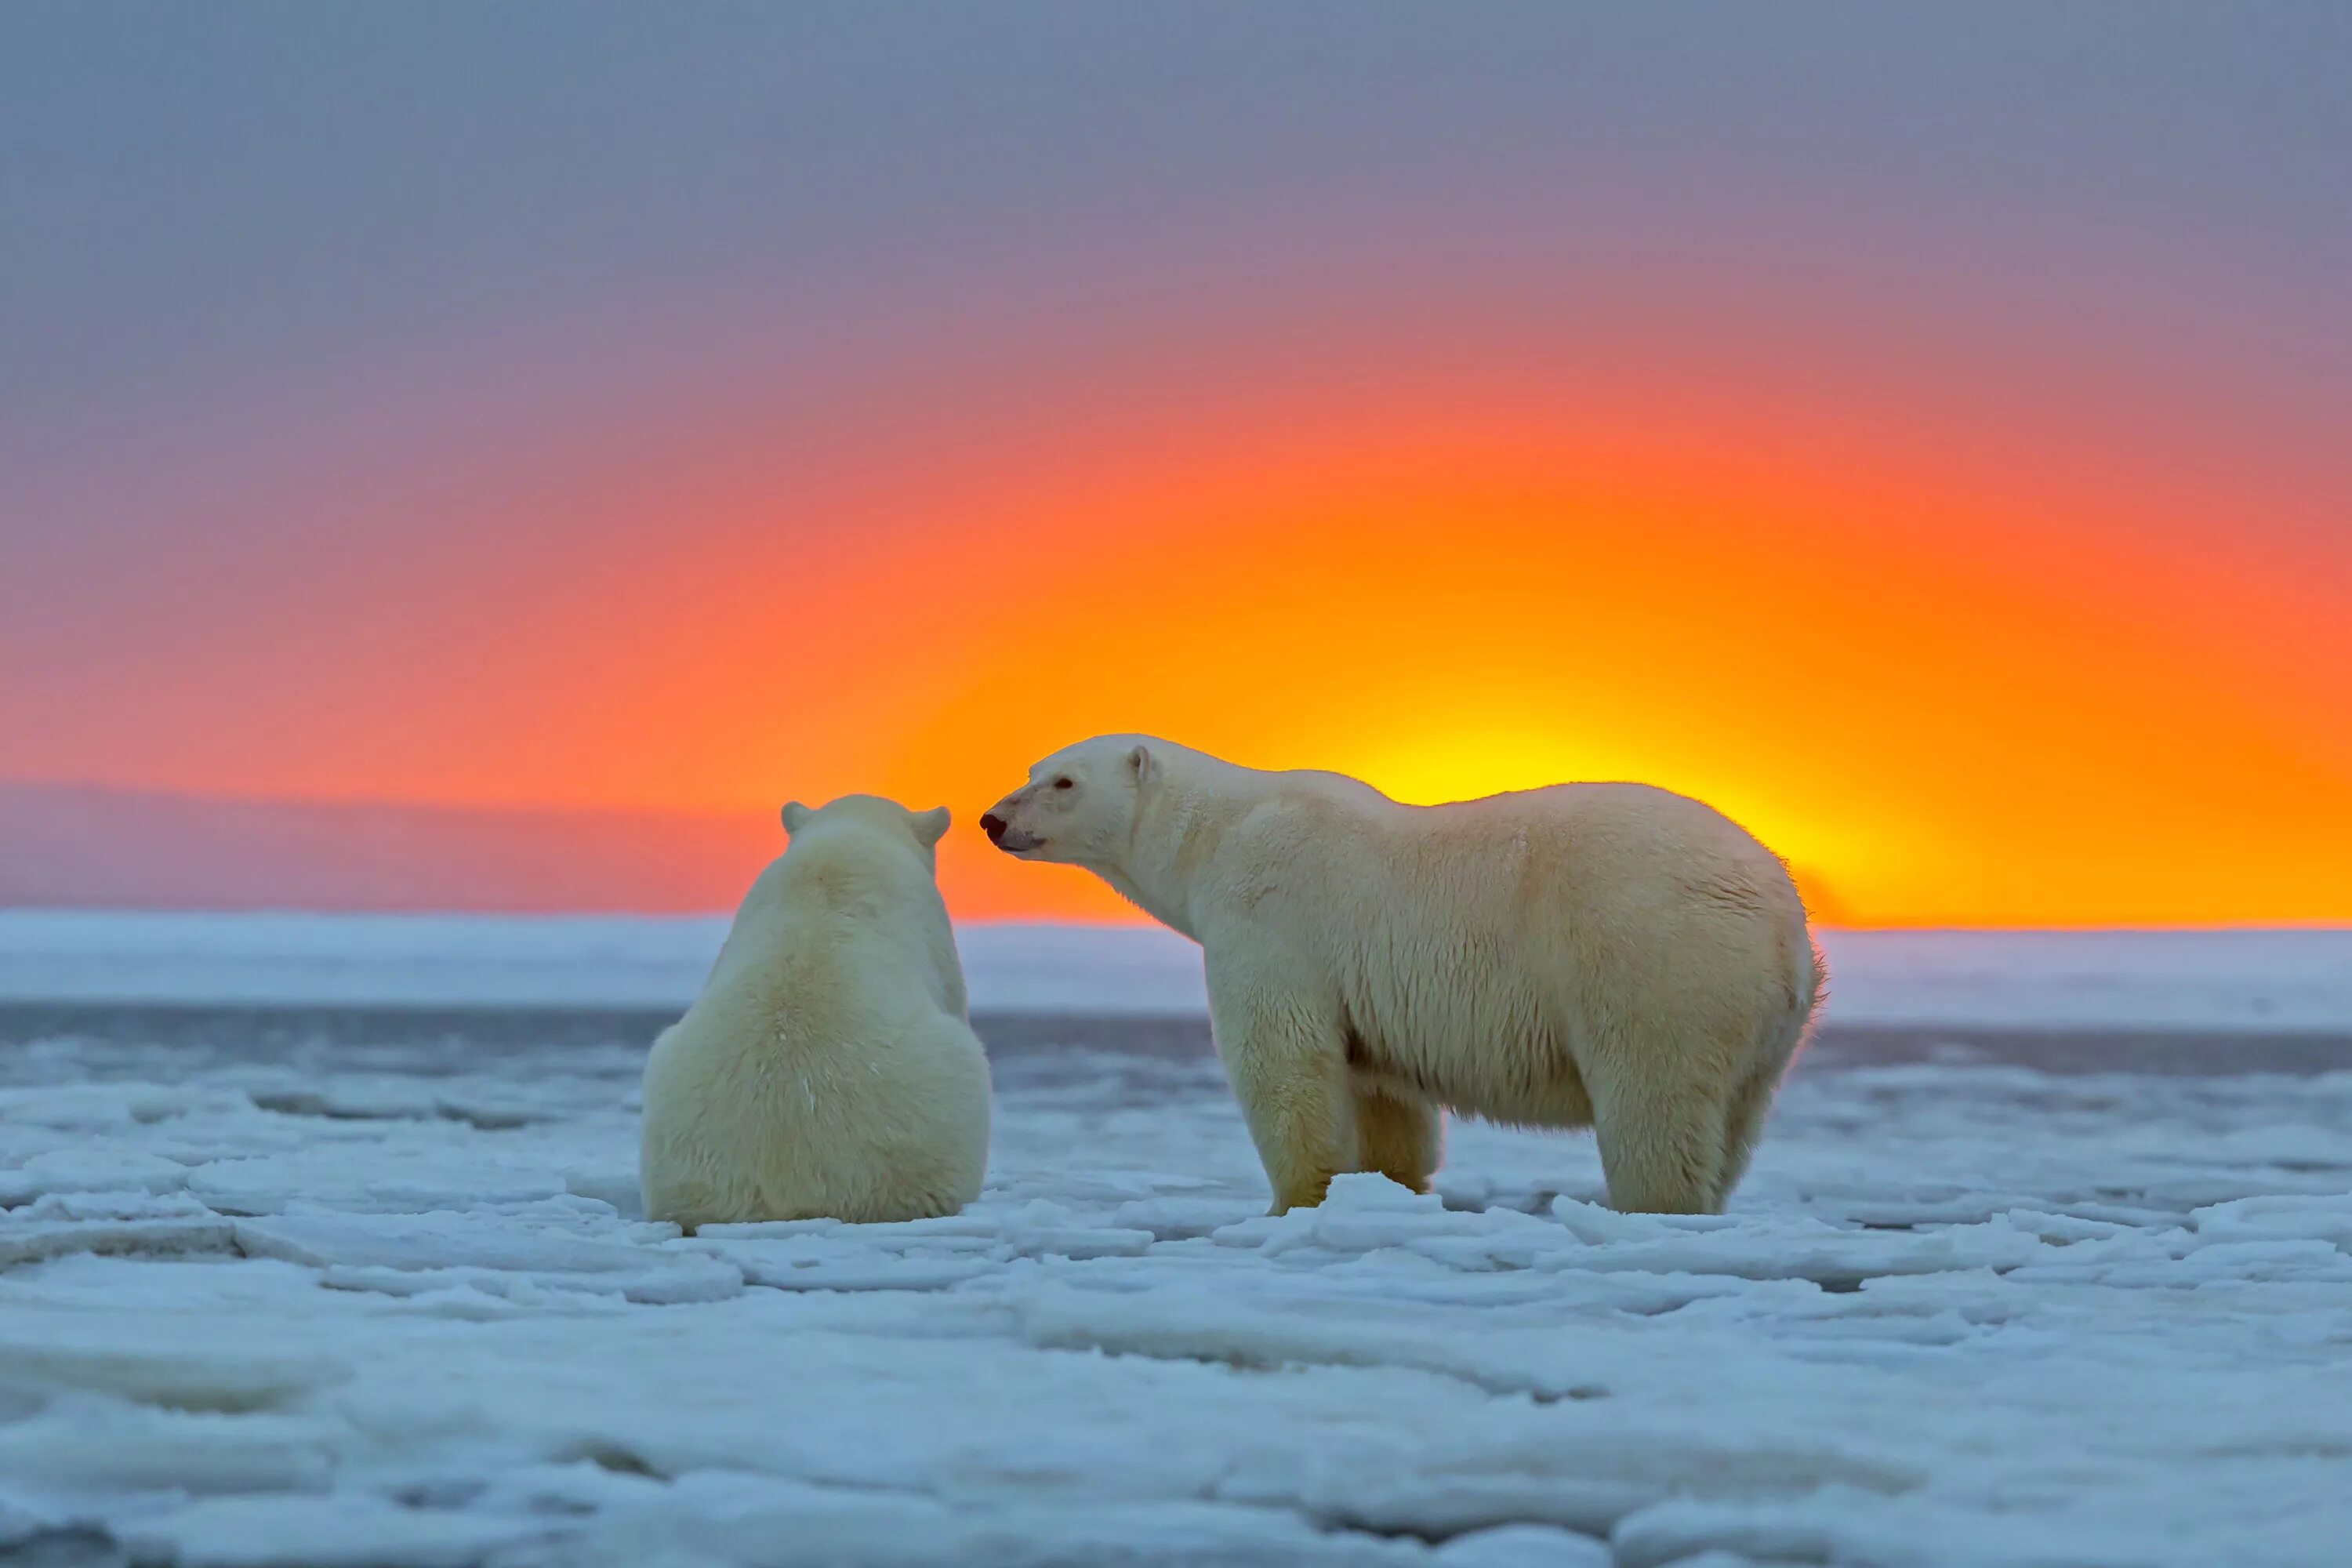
(2235,981)
(1986,1316)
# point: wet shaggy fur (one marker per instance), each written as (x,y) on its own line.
(828,1068)
(1608,955)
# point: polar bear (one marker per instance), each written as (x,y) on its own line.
(1609,956)
(828,1068)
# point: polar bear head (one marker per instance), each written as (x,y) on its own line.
(870,813)
(1079,806)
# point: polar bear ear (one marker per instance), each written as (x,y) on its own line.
(795,813)
(931,826)
(1140,760)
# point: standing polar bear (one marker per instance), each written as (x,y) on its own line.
(828,1068)
(1607,955)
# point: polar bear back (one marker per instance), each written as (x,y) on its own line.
(827,1067)
(825,918)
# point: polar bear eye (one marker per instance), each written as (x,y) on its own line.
(1062,783)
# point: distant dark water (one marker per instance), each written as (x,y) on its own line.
(52,1043)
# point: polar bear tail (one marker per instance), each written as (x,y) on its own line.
(1812,980)
(1785,1033)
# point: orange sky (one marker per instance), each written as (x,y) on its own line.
(1948,689)
(1970,517)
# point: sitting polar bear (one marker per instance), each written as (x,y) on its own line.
(827,1068)
(1607,955)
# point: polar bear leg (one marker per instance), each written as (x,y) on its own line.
(1662,1147)
(1399,1136)
(1284,1060)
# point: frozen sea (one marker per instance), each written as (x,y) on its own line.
(320,1244)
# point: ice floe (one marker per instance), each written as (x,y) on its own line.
(1959,1315)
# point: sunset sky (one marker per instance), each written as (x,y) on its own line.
(1925,434)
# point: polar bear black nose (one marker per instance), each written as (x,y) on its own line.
(993,826)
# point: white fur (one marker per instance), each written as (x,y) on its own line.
(1594,954)
(828,1068)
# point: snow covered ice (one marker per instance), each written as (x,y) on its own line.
(380,1295)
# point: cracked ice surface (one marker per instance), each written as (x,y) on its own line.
(1960,1315)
